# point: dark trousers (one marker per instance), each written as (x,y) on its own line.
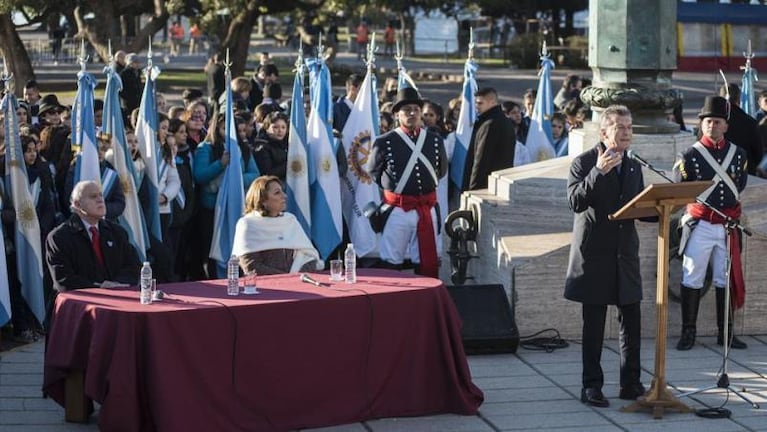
(629,317)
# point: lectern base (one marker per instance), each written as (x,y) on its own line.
(657,399)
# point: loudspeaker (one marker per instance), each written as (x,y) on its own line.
(488,320)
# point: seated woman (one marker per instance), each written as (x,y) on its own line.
(269,241)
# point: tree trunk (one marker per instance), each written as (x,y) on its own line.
(237,39)
(15,54)
(105,27)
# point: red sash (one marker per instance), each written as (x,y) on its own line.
(737,283)
(427,246)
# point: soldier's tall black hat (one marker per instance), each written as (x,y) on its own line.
(406,96)
(715,106)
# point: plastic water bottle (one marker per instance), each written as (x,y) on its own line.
(350,263)
(233,276)
(146,283)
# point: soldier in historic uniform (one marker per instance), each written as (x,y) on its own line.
(407,164)
(711,158)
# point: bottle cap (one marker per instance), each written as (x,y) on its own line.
(146,263)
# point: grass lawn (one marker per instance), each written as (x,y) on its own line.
(170,82)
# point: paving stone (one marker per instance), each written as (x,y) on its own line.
(7,403)
(20,379)
(551,420)
(442,423)
(517,382)
(46,417)
(354,427)
(15,391)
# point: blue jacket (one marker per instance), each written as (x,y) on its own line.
(207,173)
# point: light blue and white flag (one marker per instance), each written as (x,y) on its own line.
(327,227)
(5,295)
(321,93)
(29,256)
(748,102)
(539,141)
(230,200)
(149,148)
(466,118)
(298,175)
(403,78)
(84,130)
(358,188)
(132,218)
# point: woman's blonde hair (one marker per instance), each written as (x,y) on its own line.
(257,194)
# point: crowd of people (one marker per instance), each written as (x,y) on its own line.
(191,138)
(192,141)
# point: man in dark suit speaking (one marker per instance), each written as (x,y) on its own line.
(604,255)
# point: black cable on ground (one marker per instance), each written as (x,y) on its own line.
(536,342)
(719,412)
(713,413)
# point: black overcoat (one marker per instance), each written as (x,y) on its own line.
(73,264)
(604,254)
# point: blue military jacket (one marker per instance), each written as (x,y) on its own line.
(391,154)
(691,166)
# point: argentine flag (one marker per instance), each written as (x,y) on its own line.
(230,200)
(539,141)
(84,130)
(466,118)
(5,295)
(146,133)
(132,218)
(298,177)
(29,256)
(327,228)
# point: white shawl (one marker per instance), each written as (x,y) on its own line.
(256,233)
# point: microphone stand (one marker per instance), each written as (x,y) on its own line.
(723,381)
(647,165)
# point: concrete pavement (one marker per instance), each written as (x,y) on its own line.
(529,390)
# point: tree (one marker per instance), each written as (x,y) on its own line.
(14,53)
(234,30)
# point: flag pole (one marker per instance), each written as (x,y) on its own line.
(83,59)
(371,57)
(6,78)
(471,43)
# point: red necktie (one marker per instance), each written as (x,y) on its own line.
(96,243)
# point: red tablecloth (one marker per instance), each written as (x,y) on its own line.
(294,356)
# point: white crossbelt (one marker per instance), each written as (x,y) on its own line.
(720,171)
(415,155)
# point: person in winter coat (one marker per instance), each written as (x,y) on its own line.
(604,255)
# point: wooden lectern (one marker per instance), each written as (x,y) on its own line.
(661,200)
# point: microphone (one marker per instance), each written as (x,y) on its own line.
(632,155)
(308,279)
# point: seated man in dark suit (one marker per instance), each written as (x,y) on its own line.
(87,250)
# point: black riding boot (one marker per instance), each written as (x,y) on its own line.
(735,343)
(690,302)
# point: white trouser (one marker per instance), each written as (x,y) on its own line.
(399,239)
(708,242)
